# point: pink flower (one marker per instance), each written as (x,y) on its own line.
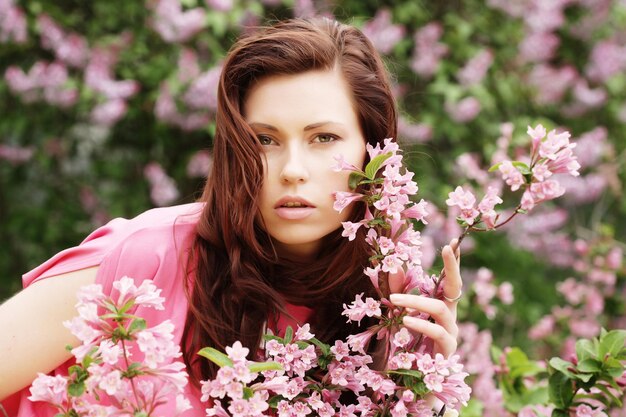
(382,33)
(199,164)
(237,353)
(342,165)
(202,93)
(538,46)
(350,229)
(402,338)
(109,113)
(428,50)
(15,154)
(551,83)
(475,69)
(461,198)
(464,110)
(174,25)
(13,26)
(511,175)
(220,5)
(417,211)
(434,382)
(48,388)
(344,199)
(583,410)
(414,133)
(162,188)
(607,59)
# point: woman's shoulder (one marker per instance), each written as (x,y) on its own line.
(146,238)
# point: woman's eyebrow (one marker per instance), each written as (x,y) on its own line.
(320,124)
(264,126)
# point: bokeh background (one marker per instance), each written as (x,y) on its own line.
(107,109)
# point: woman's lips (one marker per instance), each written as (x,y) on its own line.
(293,207)
(294,213)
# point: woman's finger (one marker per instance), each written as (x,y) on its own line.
(437,309)
(452,284)
(445,343)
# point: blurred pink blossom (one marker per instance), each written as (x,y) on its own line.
(174,25)
(464,110)
(475,69)
(200,164)
(467,165)
(592,147)
(202,93)
(188,68)
(382,32)
(545,15)
(551,83)
(584,189)
(428,50)
(16,154)
(163,189)
(414,132)
(304,9)
(13,25)
(109,112)
(584,327)
(589,97)
(538,46)
(512,8)
(543,328)
(70,48)
(99,76)
(220,5)
(597,13)
(44,81)
(166,111)
(607,58)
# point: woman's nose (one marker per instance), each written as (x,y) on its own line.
(294,169)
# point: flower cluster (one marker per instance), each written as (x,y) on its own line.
(551,153)
(303,375)
(109,340)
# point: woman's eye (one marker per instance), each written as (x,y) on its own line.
(265,140)
(324,138)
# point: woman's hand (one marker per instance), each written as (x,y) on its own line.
(443,331)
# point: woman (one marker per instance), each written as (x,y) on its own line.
(263,246)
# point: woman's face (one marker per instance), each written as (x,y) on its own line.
(302,121)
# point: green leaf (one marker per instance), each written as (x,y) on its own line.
(559,413)
(589,365)
(264,366)
(612,343)
(126,306)
(215,356)
(406,372)
(585,350)
(374,165)
(76,388)
(353,179)
(561,390)
(522,167)
(137,325)
(247,393)
(288,335)
(563,366)
(323,346)
(495,167)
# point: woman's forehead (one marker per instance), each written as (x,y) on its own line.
(311,97)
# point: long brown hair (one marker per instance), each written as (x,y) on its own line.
(236,279)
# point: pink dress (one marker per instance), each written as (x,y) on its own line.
(153,245)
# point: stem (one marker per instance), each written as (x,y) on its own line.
(132,382)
